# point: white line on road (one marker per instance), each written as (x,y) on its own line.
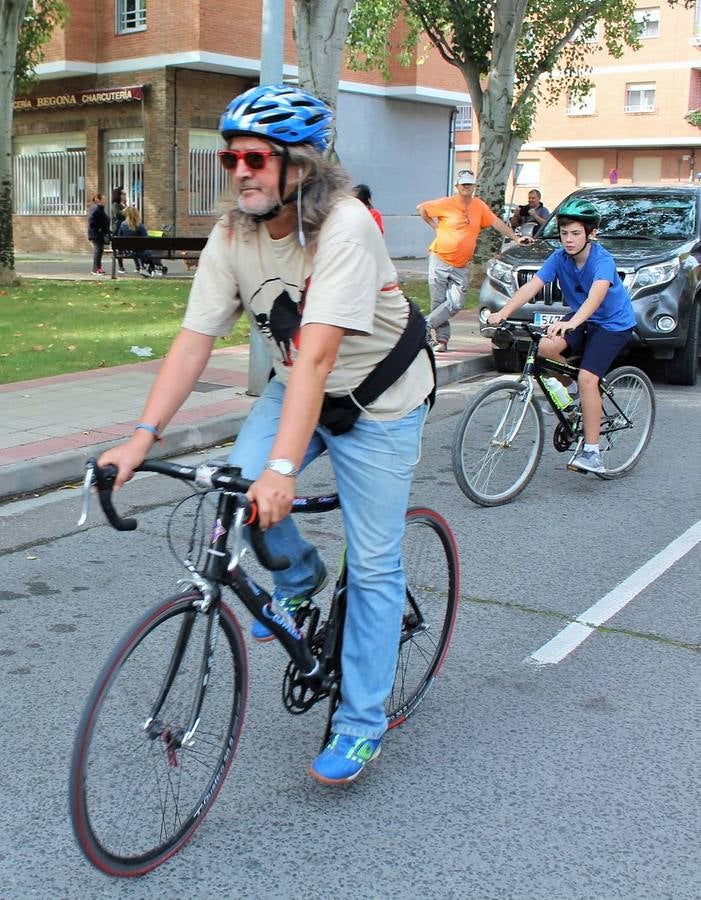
(578,631)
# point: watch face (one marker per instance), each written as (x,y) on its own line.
(282,466)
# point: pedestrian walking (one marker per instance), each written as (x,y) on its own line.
(457,221)
(98,232)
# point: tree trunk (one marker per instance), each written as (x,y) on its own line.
(321,28)
(11,16)
(499,146)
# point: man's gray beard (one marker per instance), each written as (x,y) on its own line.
(264,210)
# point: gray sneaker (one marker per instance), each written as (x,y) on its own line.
(586,461)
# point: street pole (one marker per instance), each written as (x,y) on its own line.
(271,61)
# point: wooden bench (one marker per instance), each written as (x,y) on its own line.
(159,247)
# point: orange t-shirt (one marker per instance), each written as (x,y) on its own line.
(458,227)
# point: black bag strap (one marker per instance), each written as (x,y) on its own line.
(411,342)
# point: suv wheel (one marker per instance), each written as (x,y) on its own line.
(507,359)
(683,367)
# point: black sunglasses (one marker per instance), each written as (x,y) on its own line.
(253,159)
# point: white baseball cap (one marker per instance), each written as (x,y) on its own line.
(466,176)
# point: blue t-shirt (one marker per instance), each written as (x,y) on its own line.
(616,311)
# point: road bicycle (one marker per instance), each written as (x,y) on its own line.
(160,729)
(499,439)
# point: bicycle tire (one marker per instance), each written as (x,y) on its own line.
(488,472)
(133,801)
(432,571)
(621,448)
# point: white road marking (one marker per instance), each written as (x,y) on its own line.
(578,631)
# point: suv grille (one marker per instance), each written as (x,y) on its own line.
(551,292)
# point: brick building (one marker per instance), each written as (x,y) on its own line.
(131,94)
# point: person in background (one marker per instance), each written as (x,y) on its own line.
(132,226)
(362,192)
(98,231)
(532,212)
(119,204)
(457,221)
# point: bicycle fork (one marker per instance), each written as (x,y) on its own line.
(524,397)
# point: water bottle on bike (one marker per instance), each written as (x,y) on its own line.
(559,394)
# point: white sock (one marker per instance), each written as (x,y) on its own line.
(591,448)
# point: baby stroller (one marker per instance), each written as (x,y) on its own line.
(146,263)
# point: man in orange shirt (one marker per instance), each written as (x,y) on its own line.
(457,221)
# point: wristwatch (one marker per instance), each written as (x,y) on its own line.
(282,467)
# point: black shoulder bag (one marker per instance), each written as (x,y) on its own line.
(339,414)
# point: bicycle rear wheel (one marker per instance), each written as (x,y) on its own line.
(494,457)
(622,443)
(432,571)
(137,793)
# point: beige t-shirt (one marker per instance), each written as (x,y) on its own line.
(349,282)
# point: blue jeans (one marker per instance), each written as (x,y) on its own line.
(373,465)
(446,285)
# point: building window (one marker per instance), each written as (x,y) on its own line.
(647,169)
(583,105)
(648,19)
(463,118)
(131,16)
(207,178)
(640,98)
(49,177)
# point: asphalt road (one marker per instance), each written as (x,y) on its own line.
(514,780)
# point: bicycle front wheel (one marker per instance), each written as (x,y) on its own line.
(139,786)
(497,444)
(628,415)
(432,571)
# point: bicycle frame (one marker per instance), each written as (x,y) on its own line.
(534,368)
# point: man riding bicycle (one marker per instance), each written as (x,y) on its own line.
(602,318)
(302,257)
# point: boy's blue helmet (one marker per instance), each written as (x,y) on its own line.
(278,112)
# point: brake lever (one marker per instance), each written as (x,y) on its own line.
(87,484)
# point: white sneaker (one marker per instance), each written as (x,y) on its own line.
(586,461)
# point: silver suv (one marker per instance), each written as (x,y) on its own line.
(654,234)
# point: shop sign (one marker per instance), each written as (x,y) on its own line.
(92,97)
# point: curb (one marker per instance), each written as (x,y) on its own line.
(43,473)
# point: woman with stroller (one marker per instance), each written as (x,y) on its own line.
(132,226)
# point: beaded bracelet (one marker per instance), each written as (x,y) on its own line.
(150,428)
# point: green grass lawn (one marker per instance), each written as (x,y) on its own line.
(55,327)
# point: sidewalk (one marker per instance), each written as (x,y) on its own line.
(50,426)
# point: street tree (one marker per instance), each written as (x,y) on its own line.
(321,29)
(512,55)
(24,29)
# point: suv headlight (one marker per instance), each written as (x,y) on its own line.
(652,276)
(500,272)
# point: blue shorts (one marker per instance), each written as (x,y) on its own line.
(598,345)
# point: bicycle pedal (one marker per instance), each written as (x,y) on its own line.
(571,468)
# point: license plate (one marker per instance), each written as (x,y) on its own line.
(546,318)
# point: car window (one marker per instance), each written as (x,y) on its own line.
(670,216)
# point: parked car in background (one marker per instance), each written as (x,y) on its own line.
(654,234)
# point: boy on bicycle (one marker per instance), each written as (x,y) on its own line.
(601,321)
(306,262)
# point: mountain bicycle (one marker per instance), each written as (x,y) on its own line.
(160,729)
(499,439)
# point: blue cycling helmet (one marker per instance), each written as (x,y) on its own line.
(281,113)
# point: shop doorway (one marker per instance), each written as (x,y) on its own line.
(124,165)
